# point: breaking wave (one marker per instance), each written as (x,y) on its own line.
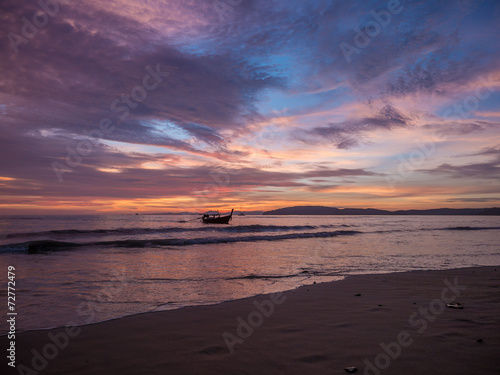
(256,228)
(234,234)
(51,245)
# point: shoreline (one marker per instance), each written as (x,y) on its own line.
(344,277)
(320,328)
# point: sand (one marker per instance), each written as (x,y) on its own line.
(317,329)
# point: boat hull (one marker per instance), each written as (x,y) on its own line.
(217,219)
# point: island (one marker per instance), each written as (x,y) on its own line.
(322,210)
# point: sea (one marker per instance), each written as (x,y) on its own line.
(86,269)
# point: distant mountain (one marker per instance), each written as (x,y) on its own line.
(321,210)
(490,211)
(440,211)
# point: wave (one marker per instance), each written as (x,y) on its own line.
(254,277)
(303,273)
(51,246)
(470,228)
(255,228)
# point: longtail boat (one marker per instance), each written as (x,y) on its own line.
(215,218)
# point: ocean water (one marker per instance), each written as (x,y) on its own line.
(87,269)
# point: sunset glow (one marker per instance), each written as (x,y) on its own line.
(182,106)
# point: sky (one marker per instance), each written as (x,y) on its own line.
(124,106)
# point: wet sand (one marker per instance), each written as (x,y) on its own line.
(399,324)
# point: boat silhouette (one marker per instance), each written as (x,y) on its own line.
(216,218)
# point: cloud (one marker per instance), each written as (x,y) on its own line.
(453,128)
(482,171)
(495,151)
(109,172)
(83,67)
(466,200)
(221,77)
(347,134)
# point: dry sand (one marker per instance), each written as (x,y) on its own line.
(318,329)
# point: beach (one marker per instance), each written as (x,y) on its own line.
(381,323)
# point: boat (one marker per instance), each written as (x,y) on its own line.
(215,218)
(241,213)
